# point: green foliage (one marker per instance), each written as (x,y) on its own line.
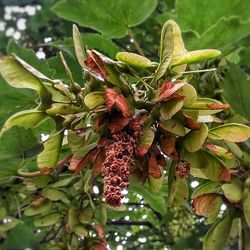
(176,99)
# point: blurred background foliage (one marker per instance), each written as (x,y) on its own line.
(36,30)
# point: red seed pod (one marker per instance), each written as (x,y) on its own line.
(183,169)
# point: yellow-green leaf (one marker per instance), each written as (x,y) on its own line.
(194,140)
(26,119)
(48,158)
(47,220)
(170,108)
(133,59)
(232,132)
(195,56)
(94,99)
(173,126)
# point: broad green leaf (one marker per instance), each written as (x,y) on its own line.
(236,90)
(173,126)
(16,146)
(86,180)
(99,15)
(80,146)
(203,164)
(206,106)
(157,202)
(80,231)
(133,59)
(195,56)
(246,205)
(11,223)
(94,99)
(56,95)
(21,237)
(79,47)
(63,109)
(26,119)
(233,190)
(55,195)
(48,158)
(232,132)
(166,50)
(207,188)
(18,99)
(178,191)
(73,218)
(170,108)
(154,183)
(64,182)
(29,56)
(47,220)
(189,93)
(217,235)
(145,140)
(233,32)
(194,140)
(86,215)
(17,76)
(202,15)
(31,211)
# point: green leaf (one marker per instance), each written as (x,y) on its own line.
(16,145)
(194,140)
(99,15)
(233,31)
(173,126)
(155,184)
(73,218)
(202,15)
(48,158)
(217,235)
(18,99)
(86,215)
(232,132)
(157,202)
(205,106)
(189,93)
(170,108)
(236,90)
(21,237)
(55,195)
(203,164)
(80,231)
(17,76)
(26,119)
(79,48)
(11,223)
(178,191)
(31,211)
(47,220)
(94,99)
(145,140)
(166,50)
(195,56)
(246,205)
(133,59)
(233,190)
(64,182)
(29,56)
(207,188)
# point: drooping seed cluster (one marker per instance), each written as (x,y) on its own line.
(183,169)
(119,150)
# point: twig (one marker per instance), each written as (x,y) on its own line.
(131,35)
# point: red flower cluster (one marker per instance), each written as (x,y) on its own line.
(183,169)
(119,150)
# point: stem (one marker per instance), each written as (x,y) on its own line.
(131,35)
(29,174)
(246,238)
